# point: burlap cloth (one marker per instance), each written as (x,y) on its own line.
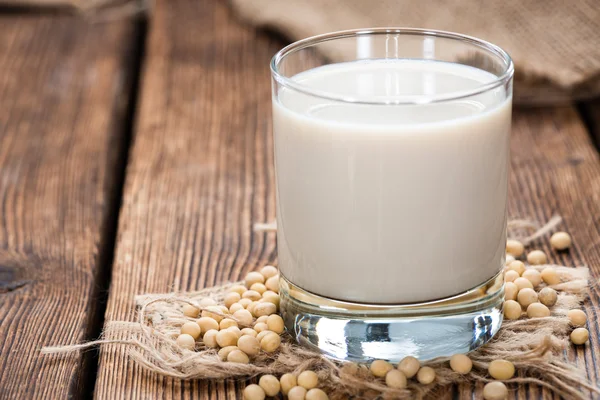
(536,346)
(92,10)
(555,44)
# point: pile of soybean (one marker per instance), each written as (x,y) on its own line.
(247,324)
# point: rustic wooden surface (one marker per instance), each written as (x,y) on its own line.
(63,94)
(199,174)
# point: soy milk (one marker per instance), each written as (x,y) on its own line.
(391,203)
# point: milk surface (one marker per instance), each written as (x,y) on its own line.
(391,203)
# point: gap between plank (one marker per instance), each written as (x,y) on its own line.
(589,112)
(95,322)
(24,10)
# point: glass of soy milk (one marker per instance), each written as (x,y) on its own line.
(391,160)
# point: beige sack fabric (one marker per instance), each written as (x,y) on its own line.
(92,10)
(555,44)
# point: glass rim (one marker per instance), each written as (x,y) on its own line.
(292,48)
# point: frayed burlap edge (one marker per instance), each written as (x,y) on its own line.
(535,346)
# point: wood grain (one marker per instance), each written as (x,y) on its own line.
(63,94)
(201,172)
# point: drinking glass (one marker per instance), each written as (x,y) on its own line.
(391,160)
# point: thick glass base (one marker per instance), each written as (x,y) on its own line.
(364,332)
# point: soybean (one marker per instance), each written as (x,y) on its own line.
(577,317)
(547,296)
(512,310)
(249,345)
(186,341)
(191,311)
(270,385)
(523,283)
(396,379)
(537,257)
(380,367)
(268,271)
(238,356)
(550,276)
(533,276)
(560,241)
(270,342)
(526,297)
(287,381)
(514,248)
(297,393)
(580,336)
(537,310)
(461,363)
(192,329)
(308,379)
(517,266)
(510,291)
(495,391)
(501,369)
(409,366)
(316,394)
(426,375)
(254,392)
(253,277)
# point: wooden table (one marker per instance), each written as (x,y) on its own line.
(135,157)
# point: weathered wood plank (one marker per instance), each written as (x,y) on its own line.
(201,172)
(63,97)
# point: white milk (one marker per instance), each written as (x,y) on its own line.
(391,204)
